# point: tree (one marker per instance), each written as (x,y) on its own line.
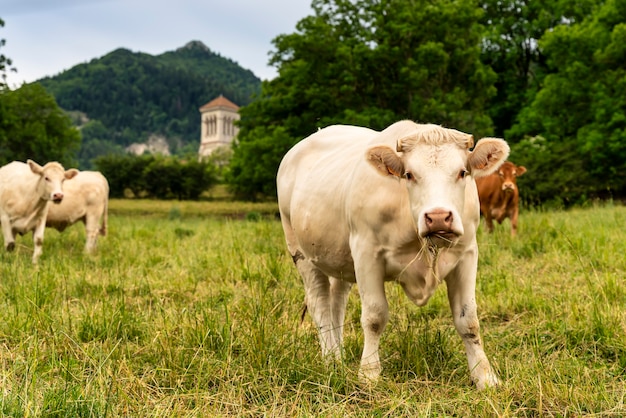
(582,103)
(510,47)
(365,62)
(33,126)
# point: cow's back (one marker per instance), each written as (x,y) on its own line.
(312,180)
(17,188)
(316,184)
(16,175)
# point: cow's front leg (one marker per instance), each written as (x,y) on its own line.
(38,239)
(461,295)
(7,232)
(374,315)
(488,220)
(514,216)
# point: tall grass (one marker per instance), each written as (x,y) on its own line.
(185,313)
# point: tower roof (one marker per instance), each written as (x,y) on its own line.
(218,102)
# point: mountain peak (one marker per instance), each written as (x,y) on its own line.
(196,45)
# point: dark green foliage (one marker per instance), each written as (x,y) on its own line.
(553,175)
(156,176)
(559,96)
(365,63)
(512,30)
(133,95)
(33,126)
(95,144)
(581,108)
(265,153)
(124,172)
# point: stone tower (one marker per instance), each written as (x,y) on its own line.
(218,128)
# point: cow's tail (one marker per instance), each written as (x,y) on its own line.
(303,313)
(105,218)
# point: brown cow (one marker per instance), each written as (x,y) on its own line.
(499,196)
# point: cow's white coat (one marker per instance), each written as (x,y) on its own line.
(26,190)
(86,199)
(365,207)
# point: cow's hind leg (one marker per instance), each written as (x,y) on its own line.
(339,292)
(317,289)
(92,229)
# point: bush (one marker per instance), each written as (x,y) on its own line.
(156,176)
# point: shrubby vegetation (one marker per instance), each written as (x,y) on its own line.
(156,176)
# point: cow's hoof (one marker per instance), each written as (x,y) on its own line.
(369,374)
(488,381)
(10,246)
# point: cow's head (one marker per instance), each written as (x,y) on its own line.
(51,178)
(508,173)
(436,163)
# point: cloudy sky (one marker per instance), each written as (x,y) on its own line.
(46,37)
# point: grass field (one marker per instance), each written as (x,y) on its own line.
(193,310)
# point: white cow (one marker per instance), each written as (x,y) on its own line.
(87,200)
(365,207)
(26,189)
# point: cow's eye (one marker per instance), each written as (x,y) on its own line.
(463,173)
(47,178)
(409,176)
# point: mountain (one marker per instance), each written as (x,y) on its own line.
(127,97)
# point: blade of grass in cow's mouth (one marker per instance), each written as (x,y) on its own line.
(442,238)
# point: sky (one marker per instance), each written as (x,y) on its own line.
(45,37)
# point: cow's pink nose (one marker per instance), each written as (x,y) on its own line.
(439,220)
(57,197)
(508,186)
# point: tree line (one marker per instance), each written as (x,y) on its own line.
(546,76)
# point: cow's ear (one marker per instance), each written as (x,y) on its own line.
(34,167)
(487,156)
(385,161)
(71,173)
(520,170)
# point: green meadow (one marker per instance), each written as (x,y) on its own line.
(192,309)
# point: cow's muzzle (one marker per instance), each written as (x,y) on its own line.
(439,228)
(508,187)
(57,197)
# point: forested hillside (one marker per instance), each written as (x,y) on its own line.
(128,96)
